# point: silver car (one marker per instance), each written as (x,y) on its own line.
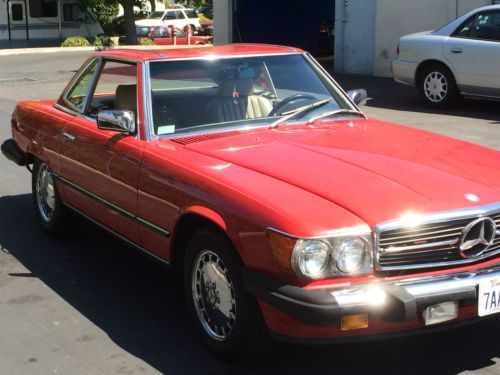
(460,59)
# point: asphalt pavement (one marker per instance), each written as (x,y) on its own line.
(91,305)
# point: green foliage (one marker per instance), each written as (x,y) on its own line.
(103,41)
(145,42)
(76,41)
(104,10)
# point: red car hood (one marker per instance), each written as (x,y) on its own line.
(376,170)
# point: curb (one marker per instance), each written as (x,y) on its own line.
(21,51)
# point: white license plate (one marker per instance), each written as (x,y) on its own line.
(489,296)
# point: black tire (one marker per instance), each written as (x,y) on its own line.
(437,86)
(248,338)
(61,219)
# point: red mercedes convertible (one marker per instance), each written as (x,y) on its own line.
(288,212)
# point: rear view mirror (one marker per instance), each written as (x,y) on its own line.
(358,96)
(118,120)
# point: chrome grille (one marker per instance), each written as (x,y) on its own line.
(433,242)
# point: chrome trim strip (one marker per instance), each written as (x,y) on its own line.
(113,206)
(373,294)
(395,249)
(119,236)
(165,232)
(213,56)
(440,264)
(147,103)
(97,198)
(360,230)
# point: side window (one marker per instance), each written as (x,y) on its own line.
(170,16)
(72,12)
(484,26)
(77,96)
(116,88)
(191,13)
(464,30)
(179,15)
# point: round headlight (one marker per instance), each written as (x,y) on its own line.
(312,257)
(351,255)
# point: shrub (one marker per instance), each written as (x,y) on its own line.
(145,42)
(76,41)
(103,41)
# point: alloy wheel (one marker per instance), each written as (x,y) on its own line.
(213,295)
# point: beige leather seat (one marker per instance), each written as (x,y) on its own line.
(235,101)
(126,97)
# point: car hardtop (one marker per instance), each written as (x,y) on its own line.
(198,52)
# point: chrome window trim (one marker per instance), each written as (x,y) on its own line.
(433,218)
(148,94)
(76,81)
(147,103)
(213,56)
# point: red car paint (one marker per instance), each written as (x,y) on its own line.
(301,179)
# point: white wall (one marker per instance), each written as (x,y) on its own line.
(223,21)
(396,18)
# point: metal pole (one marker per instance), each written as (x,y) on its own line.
(26,19)
(8,19)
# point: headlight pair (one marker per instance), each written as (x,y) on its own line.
(328,257)
(348,254)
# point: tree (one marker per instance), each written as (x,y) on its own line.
(104,8)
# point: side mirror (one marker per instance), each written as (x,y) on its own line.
(358,96)
(119,120)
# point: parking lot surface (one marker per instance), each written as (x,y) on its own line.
(91,305)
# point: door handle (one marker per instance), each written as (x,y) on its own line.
(68,137)
(457,50)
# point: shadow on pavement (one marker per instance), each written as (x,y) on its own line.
(139,305)
(388,94)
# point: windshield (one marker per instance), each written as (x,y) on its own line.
(156,15)
(203,95)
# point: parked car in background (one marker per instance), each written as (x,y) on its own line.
(119,22)
(286,211)
(169,36)
(180,17)
(460,59)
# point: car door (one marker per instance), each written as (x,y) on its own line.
(99,168)
(473,51)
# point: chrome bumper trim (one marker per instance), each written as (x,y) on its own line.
(420,288)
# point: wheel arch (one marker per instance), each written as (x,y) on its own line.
(192,220)
(426,63)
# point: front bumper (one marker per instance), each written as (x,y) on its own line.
(12,152)
(392,301)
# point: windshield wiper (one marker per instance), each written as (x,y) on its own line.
(336,112)
(299,111)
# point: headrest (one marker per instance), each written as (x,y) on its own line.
(244,87)
(126,97)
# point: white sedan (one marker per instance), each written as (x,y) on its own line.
(460,59)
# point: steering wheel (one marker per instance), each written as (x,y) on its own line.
(285,101)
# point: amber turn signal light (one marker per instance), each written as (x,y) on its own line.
(357,321)
(282,248)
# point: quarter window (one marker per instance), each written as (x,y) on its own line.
(77,96)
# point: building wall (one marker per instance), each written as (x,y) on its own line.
(395,18)
(354,36)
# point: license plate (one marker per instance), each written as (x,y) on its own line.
(489,296)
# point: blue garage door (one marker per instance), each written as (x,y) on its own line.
(307,25)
